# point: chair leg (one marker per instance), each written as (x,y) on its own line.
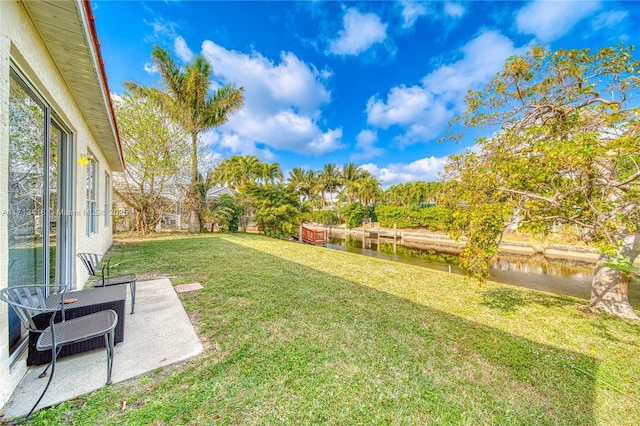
(109,343)
(132,288)
(44,373)
(54,354)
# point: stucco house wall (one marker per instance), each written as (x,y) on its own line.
(23,49)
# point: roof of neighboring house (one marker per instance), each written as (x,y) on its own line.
(69,34)
(216,191)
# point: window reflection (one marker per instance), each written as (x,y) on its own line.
(25,193)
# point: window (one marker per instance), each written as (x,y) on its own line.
(92,195)
(107,200)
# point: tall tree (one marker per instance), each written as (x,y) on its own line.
(270,173)
(350,175)
(155,150)
(368,190)
(247,168)
(398,195)
(563,148)
(312,187)
(330,178)
(188,100)
(413,194)
(295,179)
(238,171)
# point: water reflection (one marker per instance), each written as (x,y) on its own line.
(536,273)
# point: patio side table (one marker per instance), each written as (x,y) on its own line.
(88,302)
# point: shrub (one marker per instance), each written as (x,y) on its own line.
(277,209)
(226,212)
(352,214)
(388,215)
(371,213)
(431,217)
(327,217)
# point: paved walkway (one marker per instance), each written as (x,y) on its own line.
(158,334)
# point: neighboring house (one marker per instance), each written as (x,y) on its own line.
(216,191)
(59,146)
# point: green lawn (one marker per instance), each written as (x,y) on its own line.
(296,334)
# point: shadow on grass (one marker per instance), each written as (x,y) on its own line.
(292,344)
(509,300)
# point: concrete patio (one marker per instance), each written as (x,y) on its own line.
(158,334)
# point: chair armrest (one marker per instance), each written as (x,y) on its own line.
(106,266)
(61,292)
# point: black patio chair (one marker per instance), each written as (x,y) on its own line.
(91,262)
(30,300)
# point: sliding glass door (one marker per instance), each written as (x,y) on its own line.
(39,195)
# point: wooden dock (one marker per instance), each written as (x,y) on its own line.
(313,236)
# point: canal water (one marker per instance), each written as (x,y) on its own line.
(534,273)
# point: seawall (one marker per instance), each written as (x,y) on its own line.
(561,253)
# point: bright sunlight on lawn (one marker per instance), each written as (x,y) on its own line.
(296,334)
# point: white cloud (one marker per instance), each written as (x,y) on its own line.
(285,130)
(365,144)
(426,169)
(151,68)
(550,20)
(282,102)
(182,50)
(445,12)
(424,110)
(366,138)
(163,31)
(609,19)
(290,83)
(162,28)
(411,11)
(242,146)
(360,32)
(404,105)
(326,142)
(482,58)
(454,10)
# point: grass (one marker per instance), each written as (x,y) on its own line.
(296,334)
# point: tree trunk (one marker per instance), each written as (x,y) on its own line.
(193,196)
(194,220)
(609,286)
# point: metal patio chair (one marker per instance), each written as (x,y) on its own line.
(91,262)
(30,300)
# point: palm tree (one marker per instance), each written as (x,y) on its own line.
(399,195)
(312,186)
(368,190)
(295,179)
(270,173)
(188,102)
(237,171)
(221,175)
(246,168)
(351,174)
(330,179)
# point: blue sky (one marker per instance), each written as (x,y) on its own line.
(373,83)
